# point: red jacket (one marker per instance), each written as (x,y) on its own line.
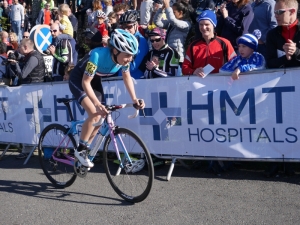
(216,53)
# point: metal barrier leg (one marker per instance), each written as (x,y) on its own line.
(5,150)
(29,155)
(171,169)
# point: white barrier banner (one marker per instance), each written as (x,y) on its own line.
(256,116)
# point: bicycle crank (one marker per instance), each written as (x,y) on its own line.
(79,169)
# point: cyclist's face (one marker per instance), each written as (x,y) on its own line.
(124,58)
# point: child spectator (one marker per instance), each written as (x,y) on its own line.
(101,26)
(64,23)
(248,59)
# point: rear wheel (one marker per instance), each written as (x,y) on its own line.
(134,181)
(54,137)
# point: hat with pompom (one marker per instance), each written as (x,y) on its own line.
(250,40)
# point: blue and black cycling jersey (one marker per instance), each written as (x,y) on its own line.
(98,63)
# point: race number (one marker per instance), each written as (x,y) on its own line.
(90,69)
(48,62)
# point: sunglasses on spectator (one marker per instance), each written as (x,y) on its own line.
(54,31)
(128,27)
(281,11)
(25,36)
(155,40)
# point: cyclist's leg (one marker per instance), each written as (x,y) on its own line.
(88,131)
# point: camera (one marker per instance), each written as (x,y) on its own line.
(11,56)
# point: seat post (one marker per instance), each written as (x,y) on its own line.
(67,104)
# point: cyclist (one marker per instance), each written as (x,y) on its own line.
(129,22)
(85,83)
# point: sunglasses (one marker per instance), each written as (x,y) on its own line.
(155,40)
(128,27)
(25,36)
(281,11)
(54,31)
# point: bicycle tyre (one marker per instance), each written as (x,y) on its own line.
(61,175)
(126,184)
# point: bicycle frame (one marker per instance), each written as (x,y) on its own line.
(107,128)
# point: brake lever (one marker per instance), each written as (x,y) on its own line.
(135,106)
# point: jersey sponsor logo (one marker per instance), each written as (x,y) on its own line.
(91,68)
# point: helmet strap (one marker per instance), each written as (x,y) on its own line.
(115,56)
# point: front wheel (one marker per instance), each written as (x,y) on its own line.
(55,137)
(134,181)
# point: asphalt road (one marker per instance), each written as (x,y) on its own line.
(240,196)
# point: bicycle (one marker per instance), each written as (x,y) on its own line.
(127,161)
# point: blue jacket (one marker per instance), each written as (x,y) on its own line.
(135,72)
(264,17)
(255,62)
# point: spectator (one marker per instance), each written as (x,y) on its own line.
(128,21)
(145,11)
(263,20)
(17,18)
(283,42)
(157,4)
(99,23)
(162,60)
(44,16)
(108,7)
(74,22)
(34,67)
(81,10)
(6,9)
(177,25)
(26,34)
(248,59)
(198,7)
(62,54)
(64,23)
(234,20)
(13,40)
(112,22)
(209,49)
(119,10)
(92,17)
(27,24)
(5,16)
(68,71)
(3,56)
(4,39)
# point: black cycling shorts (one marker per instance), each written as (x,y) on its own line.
(76,89)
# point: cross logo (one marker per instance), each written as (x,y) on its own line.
(160,116)
(38,114)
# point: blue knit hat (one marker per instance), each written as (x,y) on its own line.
(250,40)
(208,15)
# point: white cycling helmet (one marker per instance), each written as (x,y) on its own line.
(100,14)
(124,41)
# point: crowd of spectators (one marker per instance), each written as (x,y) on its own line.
(175,37)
